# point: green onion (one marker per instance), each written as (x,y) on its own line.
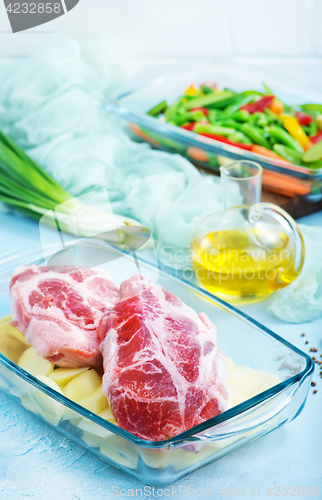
(25,186)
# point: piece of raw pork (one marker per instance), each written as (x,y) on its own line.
(163,371)
(58,312)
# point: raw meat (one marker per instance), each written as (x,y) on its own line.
(163,371)
(58,312)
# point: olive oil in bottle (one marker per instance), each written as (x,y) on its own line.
(251,248)
(244,263)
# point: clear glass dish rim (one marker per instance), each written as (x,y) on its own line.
(187,137)
(189,435)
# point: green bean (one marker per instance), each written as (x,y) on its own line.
(307,108)
(159,108)
(230,124)
(182,118)
(240,116)
(241,101)
(316,165)
(239,137)
(288,153)
(256,135)
(271,117)
(313,128)
(252,92)
(209,99)
(262,120)
(171,111)
(280,134)
(207,90)
(211,129)
(213,116)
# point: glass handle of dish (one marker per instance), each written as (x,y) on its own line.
(262,213)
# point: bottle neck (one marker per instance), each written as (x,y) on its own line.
(240,190)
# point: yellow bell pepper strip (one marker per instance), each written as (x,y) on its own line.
(294,128)
(191,91)
(319,122)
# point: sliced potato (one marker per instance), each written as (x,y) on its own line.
(92,439)
(35,364)
(120,451)
(93,434)
(6,327)
(154,458)
(106,413)
(246,383)
(44,405)
(12,343)
(234,399)
(94,402)
(51,410)
(83,386)
(5,320)
(62,376)
(230,365)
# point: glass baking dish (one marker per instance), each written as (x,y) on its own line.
(131,109)
(243,339)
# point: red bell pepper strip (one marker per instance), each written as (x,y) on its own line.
(303,118)
(205,111)
(316,138)
(189,126)
(259,106)
(220,138)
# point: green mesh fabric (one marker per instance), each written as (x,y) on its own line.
(51,105)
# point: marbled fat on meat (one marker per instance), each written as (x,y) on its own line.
(59,312)
(163,371)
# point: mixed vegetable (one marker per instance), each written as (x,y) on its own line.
(250,120)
